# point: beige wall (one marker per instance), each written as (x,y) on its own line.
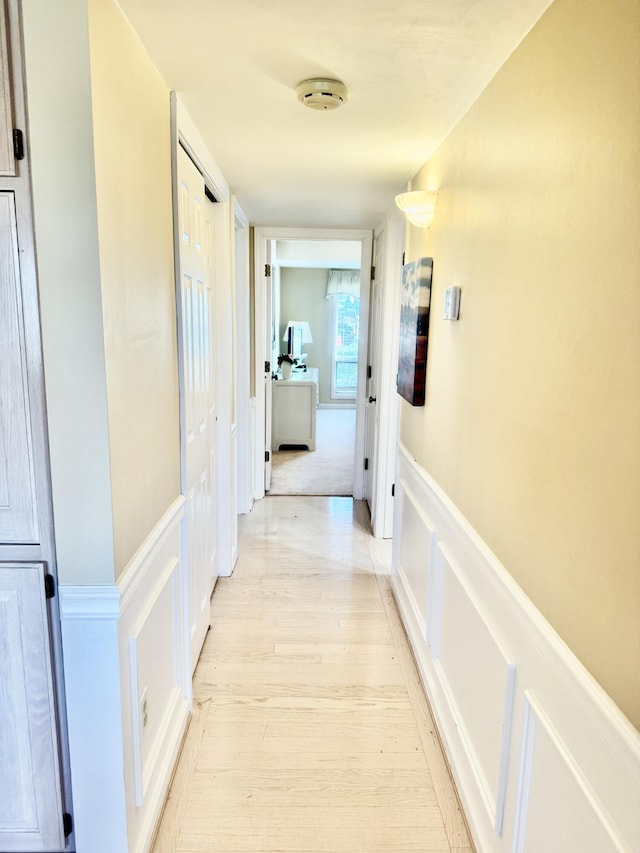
(133,181)
(303,297)
(532,419)
(64,198)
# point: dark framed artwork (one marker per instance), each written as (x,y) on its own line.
(414,330)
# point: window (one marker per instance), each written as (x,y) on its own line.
(344,356)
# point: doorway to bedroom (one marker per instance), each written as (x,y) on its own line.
(315,302)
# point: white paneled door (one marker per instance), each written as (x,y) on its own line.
(199,394)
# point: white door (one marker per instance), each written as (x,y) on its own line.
(373,384)
(199,399)
(268,367)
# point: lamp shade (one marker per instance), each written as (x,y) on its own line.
(418,206)
(307,337)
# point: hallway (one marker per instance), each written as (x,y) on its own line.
(310,731)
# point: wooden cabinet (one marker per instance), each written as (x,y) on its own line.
(18,503)
(30,783)
(34,788)
(295,402)
(7,163)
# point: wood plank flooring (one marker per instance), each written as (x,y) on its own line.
(310,730)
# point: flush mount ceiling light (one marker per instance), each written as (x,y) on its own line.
(321,94)
(418,206)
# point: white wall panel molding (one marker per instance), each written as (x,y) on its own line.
(144,558)
(89,603)
(89,622)
(126,645)
(543,759)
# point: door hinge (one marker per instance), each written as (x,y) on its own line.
(67,823)
(267,269)
(267,367)
(373,273)
(49,586)
(368,371)
(18,144)
(393,490)
(366,464)
(267,456)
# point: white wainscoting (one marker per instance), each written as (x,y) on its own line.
(124,644)
(542,758)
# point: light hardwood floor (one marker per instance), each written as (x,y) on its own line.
(310,730)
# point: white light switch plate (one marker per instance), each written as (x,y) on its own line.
(451,303)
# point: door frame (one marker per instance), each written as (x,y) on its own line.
(261,236)
(391,231)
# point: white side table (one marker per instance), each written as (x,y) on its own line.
(294,404)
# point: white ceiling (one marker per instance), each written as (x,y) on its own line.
(413,68)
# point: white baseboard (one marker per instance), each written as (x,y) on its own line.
(121,642)
(542,758)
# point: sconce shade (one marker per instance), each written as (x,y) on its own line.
(418,206)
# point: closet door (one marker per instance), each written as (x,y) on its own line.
(199,450)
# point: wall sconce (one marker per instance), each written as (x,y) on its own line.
(418,206)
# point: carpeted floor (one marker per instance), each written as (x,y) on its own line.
(328,470)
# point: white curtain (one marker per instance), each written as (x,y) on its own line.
(343,281)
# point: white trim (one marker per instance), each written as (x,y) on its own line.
(240,220)
(257,465)
(89,622)
(187,134)
(387,403)
(116,638)
(89,603)
(493,658)
(142,560)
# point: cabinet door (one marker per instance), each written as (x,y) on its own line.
(18,513)
(30,795)
(7,164)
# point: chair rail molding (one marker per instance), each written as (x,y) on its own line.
(542,757)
